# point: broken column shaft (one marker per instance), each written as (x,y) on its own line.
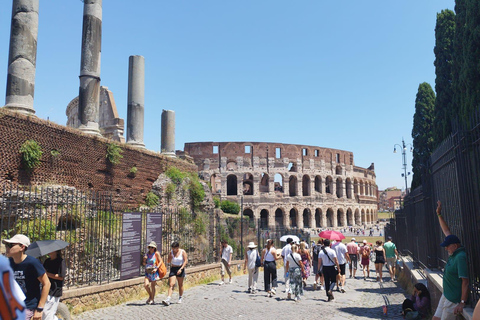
(22,56)
(168,132)
(136,101)
(89,92)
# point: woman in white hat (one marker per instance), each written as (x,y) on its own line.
(151,261)
(250,265)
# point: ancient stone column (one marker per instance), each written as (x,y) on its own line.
(168,133)
(89,92)
(136,101)
(22,56)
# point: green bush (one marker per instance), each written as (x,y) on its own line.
(170,190)
(197,194)
(114,153)
(34,230)
(151,199)
(199,224)
(31,154)
(175,175)
(229,207)
(133,170)
(216,201)
(184,216)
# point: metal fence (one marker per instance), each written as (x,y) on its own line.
(92,224)
(453,177)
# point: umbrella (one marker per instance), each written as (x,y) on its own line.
(43,247)
(294,238)
(331,234)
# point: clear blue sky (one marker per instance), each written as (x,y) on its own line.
(339,74)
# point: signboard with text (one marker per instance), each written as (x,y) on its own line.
(131,242)
(154,229)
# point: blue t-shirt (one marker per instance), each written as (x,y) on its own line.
(26,274)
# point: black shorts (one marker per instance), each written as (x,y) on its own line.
(174,270)
(342,269)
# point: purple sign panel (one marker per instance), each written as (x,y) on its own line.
(131,241)
(154,229)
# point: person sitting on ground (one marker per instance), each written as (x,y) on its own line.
(419,305)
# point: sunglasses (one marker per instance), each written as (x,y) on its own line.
(11,245)
(151,247)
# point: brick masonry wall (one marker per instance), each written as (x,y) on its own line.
(81,162)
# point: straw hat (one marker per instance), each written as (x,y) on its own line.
(153,244)
(251,245)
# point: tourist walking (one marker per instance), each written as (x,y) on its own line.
(226,254)
(29,274)
(316,270)
(306,260)
(343,258)
(56,269)
(151,261)
(391,256)
(327,260)
(352,248)
(379,260)
(295,268)
(286,250)
(269,255)
(250,265)
(178,260)
(365,254)
(455,277)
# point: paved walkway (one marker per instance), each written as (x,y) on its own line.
(363,300)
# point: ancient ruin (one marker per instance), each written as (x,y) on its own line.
(136,101)
(168,132)
(289,185)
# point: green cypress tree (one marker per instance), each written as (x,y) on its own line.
(458,85)
(422,132)
(444,34)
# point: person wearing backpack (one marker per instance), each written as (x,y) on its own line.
(251,265)
(318,271)
(327,259)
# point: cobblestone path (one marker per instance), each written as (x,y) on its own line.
(363,300)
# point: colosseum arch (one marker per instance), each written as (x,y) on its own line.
(278,182)
(264,219)
(249,213)
(318,218)
(350,218)
(330,218)
(292,186)
(367,216)
(362,191)
(216,183)
(341,218)
(358,219)
(248,184)
(231,185)
(339,187)
(279,217)
(307,215)
(367,188)
(329,185)
(348,188)
(363,216)
(293,218)
(355,187)
(306,185)
(318,184)
(338,170)
(264,183)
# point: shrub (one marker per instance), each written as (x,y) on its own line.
(34,230)
(229,207)
(175,175)
(170,190)
(184,216)
(55,153)
(133,171)
(199,224)
(114,153)
(197,194)
(216,201)
(31,154)
(151,199)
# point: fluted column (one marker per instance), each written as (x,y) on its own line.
(136,101)
(89,92)
(22,56)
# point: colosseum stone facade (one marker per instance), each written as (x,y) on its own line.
(289,185)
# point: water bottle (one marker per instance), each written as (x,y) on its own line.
(286,275)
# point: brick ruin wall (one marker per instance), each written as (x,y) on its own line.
(81,161)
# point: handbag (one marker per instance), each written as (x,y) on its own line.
(258,261)
(162,269)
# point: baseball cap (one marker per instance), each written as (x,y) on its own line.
(364,241)
(451,239)
(18,238)
(353,239)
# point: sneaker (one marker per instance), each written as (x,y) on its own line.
(295,299)
(254,291)
(148,301)
(273,291)
(269,295)
(166,302)
(322,287)
(315,286)
(249,290)
(180,300)
(230,281)
(221,283)
(342,290)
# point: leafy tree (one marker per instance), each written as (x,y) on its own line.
(229,207)
(422,132)
(444,35)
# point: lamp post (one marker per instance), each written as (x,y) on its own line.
(404,160)
(241,226)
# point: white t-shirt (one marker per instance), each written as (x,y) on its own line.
(292,263)
(340,250)
(325,260)
(251,258)
(11,288)
(226,253)
(285,252)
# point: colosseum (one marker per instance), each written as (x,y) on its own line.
(287,184)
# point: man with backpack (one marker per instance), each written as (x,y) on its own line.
(286,250)
(318,272)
